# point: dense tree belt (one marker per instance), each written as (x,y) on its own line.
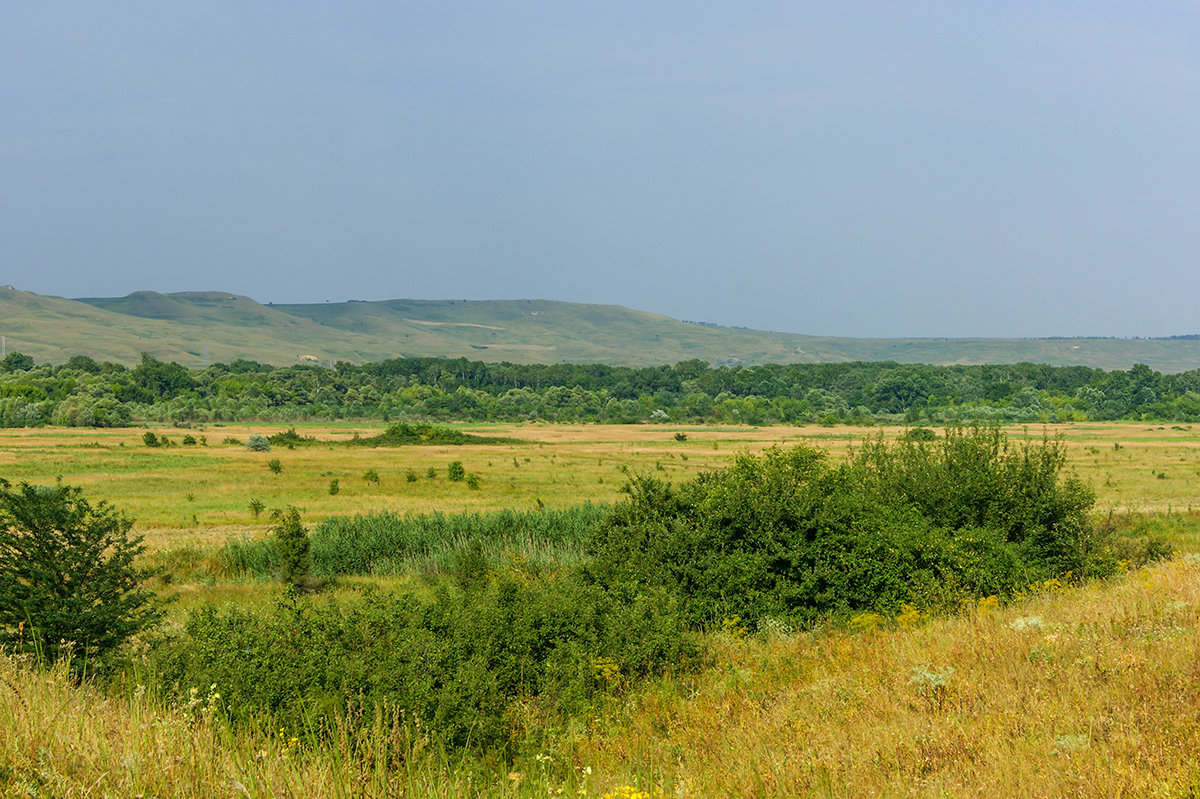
(82,392)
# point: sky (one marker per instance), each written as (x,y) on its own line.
(833,168)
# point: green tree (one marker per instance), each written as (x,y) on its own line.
(16,362)
(291,541)
(67,574)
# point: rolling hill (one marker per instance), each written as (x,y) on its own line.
(193,328)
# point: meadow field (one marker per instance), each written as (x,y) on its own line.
(1068,690)
(201,493)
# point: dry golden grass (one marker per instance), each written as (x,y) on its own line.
(1090,691)
(1074,692)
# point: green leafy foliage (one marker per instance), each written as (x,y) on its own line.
(468,664)
(68,574)
(292,544)
(290,438)
(403,434)
(257,443)
(455,472)
(84,393)
(789,535)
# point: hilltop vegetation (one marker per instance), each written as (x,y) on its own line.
(196,328)
(85,393)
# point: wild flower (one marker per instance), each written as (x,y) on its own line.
(633,792)
(866,622)
(606,670)
(733,627)
(909,616)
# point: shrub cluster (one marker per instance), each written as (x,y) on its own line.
(915,521)
(473,666)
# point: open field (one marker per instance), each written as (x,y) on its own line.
(1086,690)
(201,494)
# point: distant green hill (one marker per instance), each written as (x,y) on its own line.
(192,327)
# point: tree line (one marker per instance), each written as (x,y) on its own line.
(85,393)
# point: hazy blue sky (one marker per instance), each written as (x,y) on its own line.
(849,168)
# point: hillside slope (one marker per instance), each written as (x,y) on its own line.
(194,327)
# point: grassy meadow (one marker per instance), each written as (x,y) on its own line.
(202,493)
(1090,690)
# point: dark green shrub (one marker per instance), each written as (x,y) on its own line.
(290,439)
(455,473)
(473,481)
(371,476)
(410,476)
(150,439)
(67,575)
(189,441)
(787,534)
(256,507)
(335,486)
(292,544)
(461,664)
(403,434)
(275,466)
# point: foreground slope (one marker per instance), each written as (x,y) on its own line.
(193,327)
(1072,692)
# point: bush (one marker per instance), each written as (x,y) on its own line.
(257,443)
(275,466)
(921,434)
(291,542)
(468,665)
(455,473)
(788,535)
(402,434)
(290,438)
(335,486)
(67,574)
(150,439)
(371,476)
